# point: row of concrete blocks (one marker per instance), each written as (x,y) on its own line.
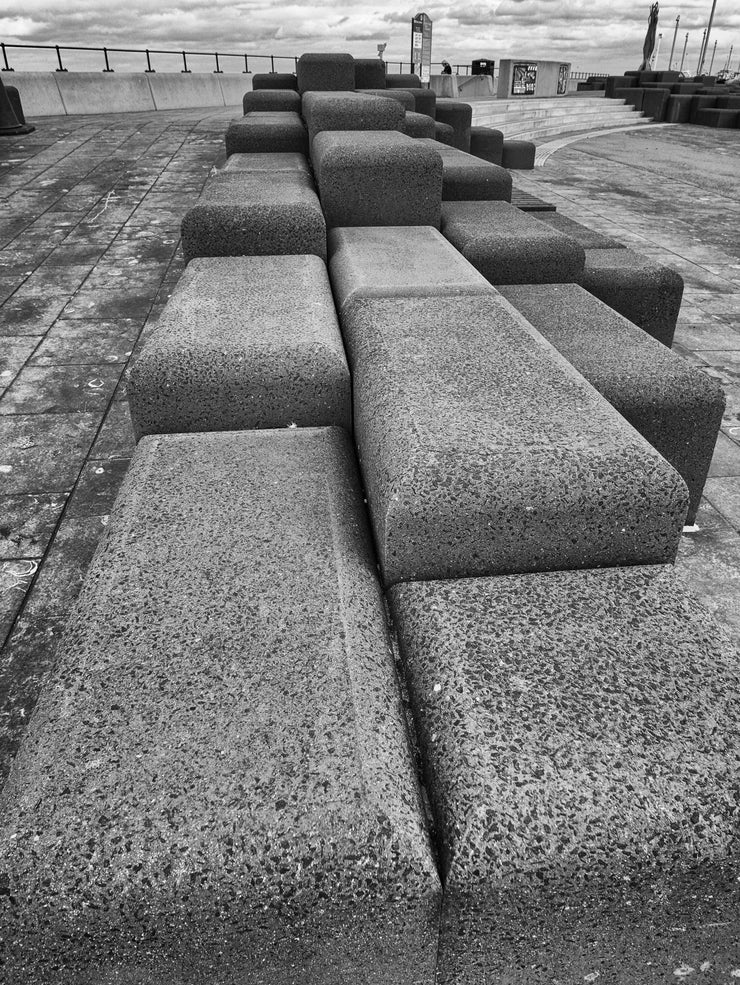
(687,103)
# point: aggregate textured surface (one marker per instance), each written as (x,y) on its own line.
(645,292)
(325,72)
(487,143)
(397,261)
(275,80)
(580,733)
(221,753)
(369,73)
(271,101)
(350,111)
(380,178)
(425,101)
(244,342)
(508,246)
(459,116)
(252,213)
(402,96)
(264,132)
(418,125)
(487,453)
(466,178)
(672,403)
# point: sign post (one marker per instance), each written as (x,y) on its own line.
(421,47)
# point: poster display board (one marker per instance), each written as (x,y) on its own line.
(563,72)
(523,78)
(421,46)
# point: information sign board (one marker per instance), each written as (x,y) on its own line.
(421,46)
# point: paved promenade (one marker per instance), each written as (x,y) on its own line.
(90,209)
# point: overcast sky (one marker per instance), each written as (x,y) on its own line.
(594,35)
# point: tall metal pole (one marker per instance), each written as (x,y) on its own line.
(706,38)
(701,52)
(714,52)
(686,41)
(654,61)
(727,66)
(675,33)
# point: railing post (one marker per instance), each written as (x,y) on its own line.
(185,70)
(246,67)
(107,66)
(6,67)
(218,70)
(272,63)
(148,62)
(59,59)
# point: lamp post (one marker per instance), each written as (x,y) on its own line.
(706,38)
(701,53)
(675,33)
(714,51)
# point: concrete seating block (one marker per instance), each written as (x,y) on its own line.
(325,72)
(655,103)
(647,77)
(397,261)
(590,239)
(269,163)
(678,109)
(510,247)
(350,111)
(675,406)
(217,782)
(257,214)
(723,102)
(686,88)
(726,119)
(444,133)
(377,178)
(632,97)
(243,342)
(701,102)
(466,178)
(460,117)
(418,125)
(271,101)
(614,82)
(579,736)
(487,143)
(397,80)
(668,76)
(425,101)
(518,155)
(369,73)
(267,133)
(484,452)
(402,96)
(646,293)
(274,80)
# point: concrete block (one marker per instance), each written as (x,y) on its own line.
(460,117)
(267,133)
(418,125)
(255,215)
(645,292)
(647,77)
(217,783)
(701,102)
(675,406)
(484,452)
(321,72)
(678,109)
(487,143)
(121,92)
(614,82)
(179,91)
(271,101)
(275,80)
(402,96)
(397,80)
(654,104)
(444,133)
(377,178)
(243,342)
(369,73)
(335,111)
(518,154)
(686,88)
(510,247)
(39,93)
(397,261)
(726,119)
(590,239)
(632,97)
(425,101)
(267,163)
(728,102)
(466,178)
(579,736)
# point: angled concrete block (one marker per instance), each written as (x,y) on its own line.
(466,178)
(380,178)
(271,101)
(274,80)
(350,111)
(418,125)
(425,101)
(369,73)
(518,155)
(397,261)
(243,342)
(325,72)
(444,133)
(399,80)
(590,239)
(510,247)
(459,116)
(672,403)
(646,293)
(255,213)
(487,143)
(579,735)
(484,452)
(289,161)
(402,96)
(267,133)
(217,783)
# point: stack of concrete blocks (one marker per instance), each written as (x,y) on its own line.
(220,781)
(663,97)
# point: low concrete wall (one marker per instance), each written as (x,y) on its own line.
(60,93)
(519,78)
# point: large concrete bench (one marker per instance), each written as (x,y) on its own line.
(466,178)
(397,261)
(459,116)
(274,80)
(647,293)
(580,736)
(484,452)
(271,101)
(253,213)
(266,132)
(350,111)
(243,342)
(369,73)
(379,178)
(674,405)
(325,72)
(419,125)
(487,143)
(217,783)
(509,247)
